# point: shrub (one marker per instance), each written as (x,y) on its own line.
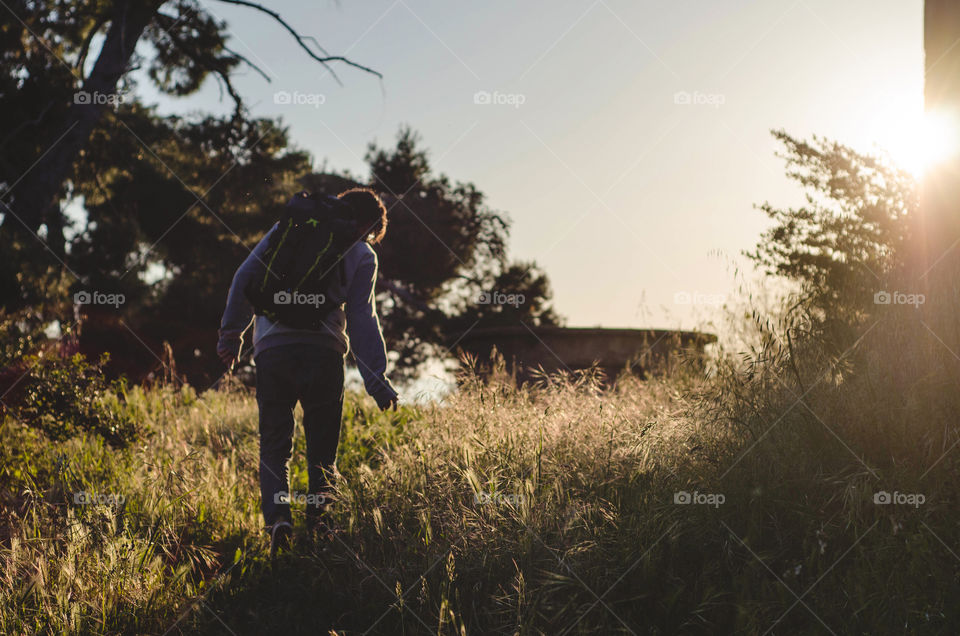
(62,395)
(847,242)
(66,396)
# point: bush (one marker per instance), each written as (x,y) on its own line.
(62,395)
(66,397)
(847,243)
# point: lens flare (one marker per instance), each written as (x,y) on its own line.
(924,142)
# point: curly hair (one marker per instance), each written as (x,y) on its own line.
(369,210)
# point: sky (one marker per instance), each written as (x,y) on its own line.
(627,141)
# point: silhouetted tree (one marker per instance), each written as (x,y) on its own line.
(44,49)
(853,232)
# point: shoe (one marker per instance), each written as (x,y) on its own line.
(280,535)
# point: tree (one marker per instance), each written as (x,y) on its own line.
(188,44)
(842,247)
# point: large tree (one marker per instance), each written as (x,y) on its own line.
(52,102)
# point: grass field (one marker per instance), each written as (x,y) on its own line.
(671,506)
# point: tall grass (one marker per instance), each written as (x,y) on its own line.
(549,509)
(173,510)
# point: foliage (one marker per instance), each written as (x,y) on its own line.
(59,393)
(64,398)
(444,248)
(44,53)
(842,246)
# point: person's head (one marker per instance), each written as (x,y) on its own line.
(369,210)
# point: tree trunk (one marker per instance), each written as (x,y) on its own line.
(36,197)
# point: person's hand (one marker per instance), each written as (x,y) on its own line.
(228,349)
(386,399)
(227,357)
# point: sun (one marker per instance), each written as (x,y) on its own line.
(922,142)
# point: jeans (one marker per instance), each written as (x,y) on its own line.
(312,374)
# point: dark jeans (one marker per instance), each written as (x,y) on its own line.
(312,374)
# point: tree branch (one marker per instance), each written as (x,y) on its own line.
(213,65)
(243,59)
(87,39)
(238,102)
(301,40)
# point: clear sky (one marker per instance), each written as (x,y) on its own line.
(626,197)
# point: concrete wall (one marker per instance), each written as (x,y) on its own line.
(561,348)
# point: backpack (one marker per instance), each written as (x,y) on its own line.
(303,256)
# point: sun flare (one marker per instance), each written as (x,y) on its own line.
(922,142)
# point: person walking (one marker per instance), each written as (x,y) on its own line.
(309,287)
